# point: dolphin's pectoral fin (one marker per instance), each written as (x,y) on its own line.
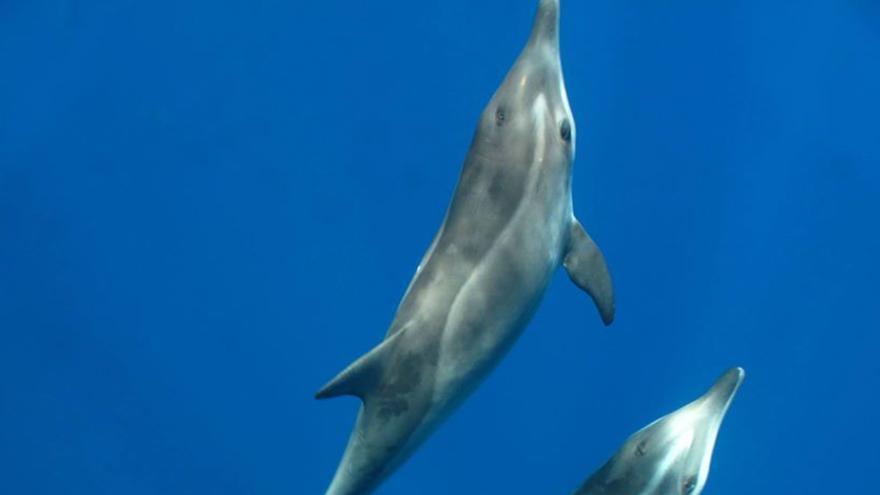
(587,269)
(361,376)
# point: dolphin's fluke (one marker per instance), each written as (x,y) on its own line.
(359,378)
(586,266)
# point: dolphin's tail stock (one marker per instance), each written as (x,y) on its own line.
(360,470)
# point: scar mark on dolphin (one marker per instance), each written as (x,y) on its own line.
(394,397)
(392,408)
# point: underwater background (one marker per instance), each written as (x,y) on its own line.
(208,209)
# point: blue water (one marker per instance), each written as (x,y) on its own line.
(207,209)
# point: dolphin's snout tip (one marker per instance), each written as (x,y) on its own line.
(740,372)
(546,26)
(736,375)
(725,388)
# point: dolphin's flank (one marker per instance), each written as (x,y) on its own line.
(509,226)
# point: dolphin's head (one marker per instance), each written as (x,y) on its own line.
(672,455)
(529,114)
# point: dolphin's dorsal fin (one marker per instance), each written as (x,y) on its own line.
(361,376)
(586,267)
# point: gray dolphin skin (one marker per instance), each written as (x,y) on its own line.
(671,456)
(509,226)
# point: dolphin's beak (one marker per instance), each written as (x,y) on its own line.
(719,397)
(545,30)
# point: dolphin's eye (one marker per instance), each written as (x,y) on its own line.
(640,449)
(688,485)
(500,116)
(565,131)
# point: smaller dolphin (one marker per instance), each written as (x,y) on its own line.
(670,456)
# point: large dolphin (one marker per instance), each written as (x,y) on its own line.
(509,226)
(670,456)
